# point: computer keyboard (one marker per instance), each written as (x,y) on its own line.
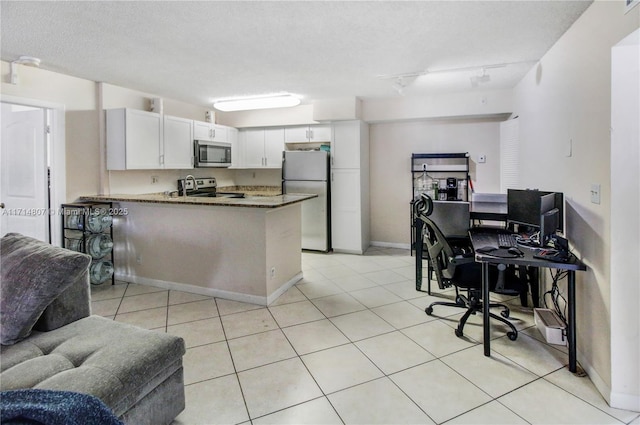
(506,240)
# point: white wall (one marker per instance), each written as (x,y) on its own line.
(391,146)
(625,226)
(567,98)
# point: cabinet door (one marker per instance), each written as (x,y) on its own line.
(202,130)
(320,133)
(237,154)
(178,143)
(345,147)
(143,135)
(220,133)
(253,141)
(346,220)
(273,147)
(298,134)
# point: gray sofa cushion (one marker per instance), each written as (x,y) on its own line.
(32,275)
(113,361)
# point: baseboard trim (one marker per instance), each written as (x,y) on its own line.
(391,245)
(211,292)
(615,400)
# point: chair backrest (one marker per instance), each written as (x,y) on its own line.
(452,217)
(441,253)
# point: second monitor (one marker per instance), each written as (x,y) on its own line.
(526,207)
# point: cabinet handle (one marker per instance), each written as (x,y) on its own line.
(161,159)
(310,134)
(213,132)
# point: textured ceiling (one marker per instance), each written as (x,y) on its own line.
(201,51)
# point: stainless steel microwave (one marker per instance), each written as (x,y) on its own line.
(212,154)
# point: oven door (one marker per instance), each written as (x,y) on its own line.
(212,154)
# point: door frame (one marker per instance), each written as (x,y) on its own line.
(58,191)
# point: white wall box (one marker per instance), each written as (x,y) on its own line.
(350,212)
(308,133)
(208,131)
(261,147)
(133,139)
(177,143)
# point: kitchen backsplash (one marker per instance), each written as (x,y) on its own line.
(141,181)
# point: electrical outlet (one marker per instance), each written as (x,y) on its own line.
(482,159)
(154,179)
(595,193)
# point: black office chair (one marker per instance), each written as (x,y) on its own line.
(461,244)
(455,266)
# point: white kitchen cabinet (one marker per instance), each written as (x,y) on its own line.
(308,134)
(346,223)
(133,139)
(346,145)
(236,152)
(209,131)
(262,148)
(177,143)
(350,213)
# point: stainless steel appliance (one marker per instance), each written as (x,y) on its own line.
(203,187)
(308,172)
(212,154)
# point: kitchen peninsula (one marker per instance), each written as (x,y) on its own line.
(244,249)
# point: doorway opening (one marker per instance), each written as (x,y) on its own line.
(32,176)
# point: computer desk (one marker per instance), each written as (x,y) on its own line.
(479,238)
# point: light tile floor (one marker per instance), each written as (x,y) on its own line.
(351,344)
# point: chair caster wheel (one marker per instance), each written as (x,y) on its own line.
(458,333)
(429,310)
(512,336)
(505,313)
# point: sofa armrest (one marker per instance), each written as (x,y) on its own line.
(71,305)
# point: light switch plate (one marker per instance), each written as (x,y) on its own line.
(595,193)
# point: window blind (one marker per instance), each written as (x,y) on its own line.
(509,155)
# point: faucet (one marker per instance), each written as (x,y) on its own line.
(184,186)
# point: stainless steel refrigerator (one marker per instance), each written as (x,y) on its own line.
(308,172)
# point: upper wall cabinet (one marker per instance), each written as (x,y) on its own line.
(177,143)
(133,139)
(308,133)
(262,147)
(141,140)
(209,131)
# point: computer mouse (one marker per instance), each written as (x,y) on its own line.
(515,251)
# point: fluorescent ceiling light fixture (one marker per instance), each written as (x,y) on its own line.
(257,102)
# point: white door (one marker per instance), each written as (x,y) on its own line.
(24,193)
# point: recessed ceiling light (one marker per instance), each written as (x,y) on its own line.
(257,102)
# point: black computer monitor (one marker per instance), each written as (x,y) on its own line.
(524,206)
(548,225)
